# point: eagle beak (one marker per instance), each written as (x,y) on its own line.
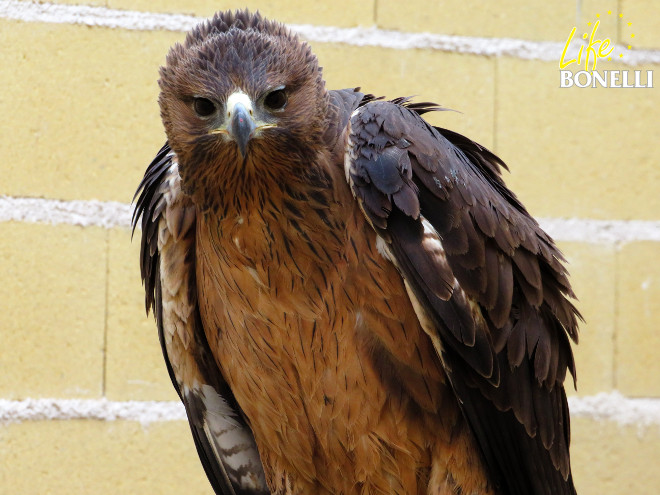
(241,126)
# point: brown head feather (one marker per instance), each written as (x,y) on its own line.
(241,51)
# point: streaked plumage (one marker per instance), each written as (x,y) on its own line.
(349,300)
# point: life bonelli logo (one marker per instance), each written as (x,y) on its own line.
(586,54)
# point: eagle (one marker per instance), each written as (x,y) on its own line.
(349,300)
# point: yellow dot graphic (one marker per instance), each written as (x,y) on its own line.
(597,15)
(584,36)
(620,15)
(609,58)
(629,47)
(588,24)
(609,12)
(632,35)
(630,24)
(620,55)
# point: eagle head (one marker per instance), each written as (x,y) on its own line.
(244,97)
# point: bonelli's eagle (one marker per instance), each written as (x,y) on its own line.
(349,300)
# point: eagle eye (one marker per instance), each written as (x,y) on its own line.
(204,107)
(276,100)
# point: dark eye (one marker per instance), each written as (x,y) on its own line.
(276,100)
(204,107)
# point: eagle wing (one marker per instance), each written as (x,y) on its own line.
(486,282)
(223,439)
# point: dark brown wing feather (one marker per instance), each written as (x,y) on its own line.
(497,297)
(223,440)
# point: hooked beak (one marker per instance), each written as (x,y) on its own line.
(241,125)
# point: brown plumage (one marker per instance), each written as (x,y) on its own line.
(349,300)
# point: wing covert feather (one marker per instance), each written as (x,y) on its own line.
(223,440)
(492,287)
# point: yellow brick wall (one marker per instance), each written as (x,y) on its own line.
(80,122)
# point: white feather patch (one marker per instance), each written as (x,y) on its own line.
(349,156)
(383,248)
(230,440)
(238,97)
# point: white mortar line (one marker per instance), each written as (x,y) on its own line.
(86,15)
(601,231)
(605,407)
(110,214)
(361,36)
(99,409)
(107,214)
(614,407)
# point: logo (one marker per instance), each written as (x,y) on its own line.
(593,49)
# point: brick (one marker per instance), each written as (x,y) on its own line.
(533,20)
(613,459)
(86,100)
(638,313)
(644,15)
(82,457)
(343,13)
(584,152)
(593,277)
(464,83)
(52,304)
(135,369)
